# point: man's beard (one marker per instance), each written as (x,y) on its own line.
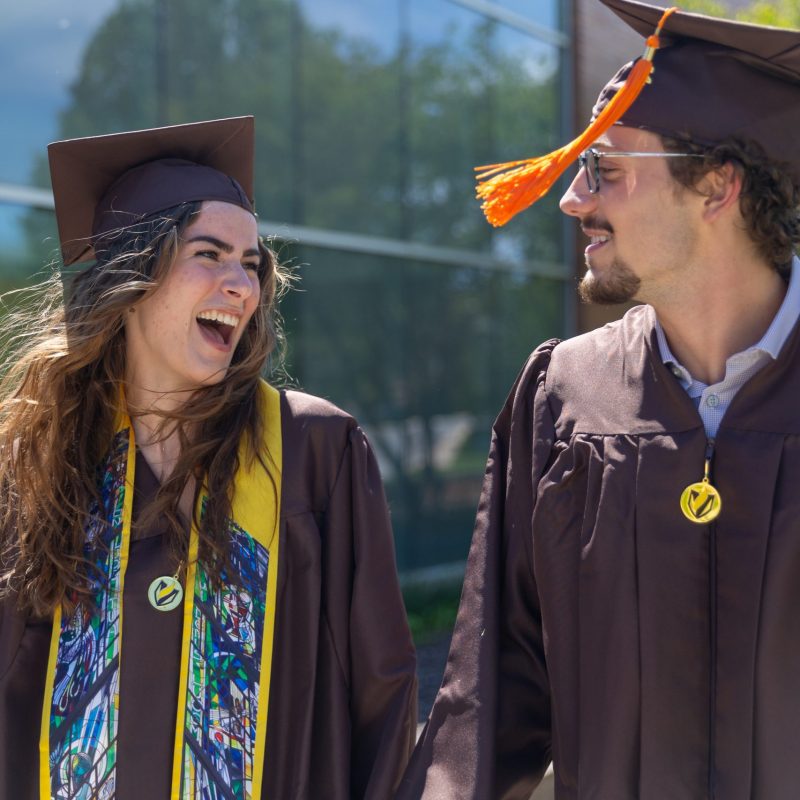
(618,285)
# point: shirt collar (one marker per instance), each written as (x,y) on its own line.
(780,327)
(680,372)
(770,343)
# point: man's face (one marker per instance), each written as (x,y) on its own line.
(642,226)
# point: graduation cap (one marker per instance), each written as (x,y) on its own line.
(711,78)
(102,183)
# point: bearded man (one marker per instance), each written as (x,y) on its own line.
(631,609)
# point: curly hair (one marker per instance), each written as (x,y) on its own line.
(770,196)
(60,391)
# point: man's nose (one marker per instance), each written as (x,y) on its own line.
(578,201)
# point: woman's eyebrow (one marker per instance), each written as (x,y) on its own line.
(224,246)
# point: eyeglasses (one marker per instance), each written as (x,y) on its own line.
(589,161)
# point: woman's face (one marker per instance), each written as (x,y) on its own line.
(184,334)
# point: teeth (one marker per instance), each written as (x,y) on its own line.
(599,239)
(219,316)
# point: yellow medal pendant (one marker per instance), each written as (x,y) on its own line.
(701,502)
(165,593)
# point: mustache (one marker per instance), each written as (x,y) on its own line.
(595,224)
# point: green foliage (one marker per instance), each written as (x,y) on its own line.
(431,611)
(711,7)
(779,13)
(39,255)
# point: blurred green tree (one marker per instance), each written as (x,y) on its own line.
(779,13)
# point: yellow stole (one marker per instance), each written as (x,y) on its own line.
(226,653)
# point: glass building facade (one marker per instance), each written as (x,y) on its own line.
(412,312)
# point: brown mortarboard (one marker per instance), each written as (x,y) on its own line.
(101,183)
(711,78)
(714,78)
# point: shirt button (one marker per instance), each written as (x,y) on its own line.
(676,371)
(712,401)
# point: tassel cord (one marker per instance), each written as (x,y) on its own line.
(510,187)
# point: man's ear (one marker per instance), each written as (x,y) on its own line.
(721,188)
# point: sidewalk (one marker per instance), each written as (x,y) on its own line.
(431,660)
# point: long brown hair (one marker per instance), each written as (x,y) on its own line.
(60,391)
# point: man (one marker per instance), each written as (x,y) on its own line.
(631,609)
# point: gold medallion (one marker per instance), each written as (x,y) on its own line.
(165,593)
(701,502)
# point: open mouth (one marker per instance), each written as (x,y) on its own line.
(596,240)
(218,325)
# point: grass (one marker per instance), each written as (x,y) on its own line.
(431,610)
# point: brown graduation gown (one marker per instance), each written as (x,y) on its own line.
(649,657)
(342,708)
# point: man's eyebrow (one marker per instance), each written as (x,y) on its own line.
(224,246)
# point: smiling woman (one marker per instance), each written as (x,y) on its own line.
(198,594)
(203,305)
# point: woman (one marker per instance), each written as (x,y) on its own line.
(199,597)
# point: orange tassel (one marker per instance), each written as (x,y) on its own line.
(506,189)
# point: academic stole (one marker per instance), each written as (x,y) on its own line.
(226,654)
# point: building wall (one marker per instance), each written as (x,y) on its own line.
(413,313)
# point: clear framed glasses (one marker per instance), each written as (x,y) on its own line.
(589,162)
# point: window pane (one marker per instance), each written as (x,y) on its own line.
(49,54)
(349,154)
(527,123)
(78,69)
(544,12)
(370,117)
(482,93)
(423,355)
(28,245)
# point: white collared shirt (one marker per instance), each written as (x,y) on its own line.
(713,401)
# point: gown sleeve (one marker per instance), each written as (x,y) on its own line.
(382,662)
(488,735)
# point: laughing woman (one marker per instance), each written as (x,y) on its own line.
(198,595)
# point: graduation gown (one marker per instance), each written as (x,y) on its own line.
(650,658)
(342,706)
